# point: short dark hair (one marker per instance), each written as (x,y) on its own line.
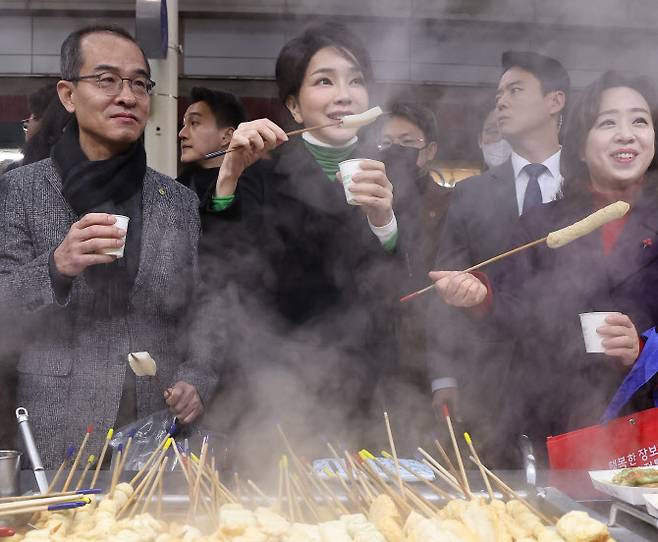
(550,72)
(581,119)
(297,53)
(39,100)
(417,114)
(71,54)
(226,107)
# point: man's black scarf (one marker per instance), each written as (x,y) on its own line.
(103,186)
(87,184)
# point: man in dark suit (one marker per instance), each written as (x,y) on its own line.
(82,306)
(470,375)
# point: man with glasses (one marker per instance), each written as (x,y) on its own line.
(408,145)
(83,306)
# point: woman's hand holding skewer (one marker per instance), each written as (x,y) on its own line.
(184,401)
(458,288)
(621,339)
(373,190)
(251,141)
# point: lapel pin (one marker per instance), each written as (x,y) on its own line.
(646,243)
(162,191)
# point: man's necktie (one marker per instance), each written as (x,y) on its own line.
(532,196)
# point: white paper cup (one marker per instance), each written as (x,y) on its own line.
(347,169)
(589,321)
(122,223)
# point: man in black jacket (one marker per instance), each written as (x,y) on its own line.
(208,125)
(408,142)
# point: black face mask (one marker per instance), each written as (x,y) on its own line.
(401,166)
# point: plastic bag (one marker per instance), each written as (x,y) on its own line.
(149,432)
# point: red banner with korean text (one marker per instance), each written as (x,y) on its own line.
(629,441)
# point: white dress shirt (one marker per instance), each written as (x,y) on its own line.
(549,182)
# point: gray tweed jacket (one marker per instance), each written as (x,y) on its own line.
(72,364)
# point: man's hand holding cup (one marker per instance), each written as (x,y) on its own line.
(85,243)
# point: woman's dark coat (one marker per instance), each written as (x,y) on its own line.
(538,296)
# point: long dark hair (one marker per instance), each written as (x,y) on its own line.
(53,121)
(581,119)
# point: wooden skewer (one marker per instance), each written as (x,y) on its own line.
(338,506)
(258,491)
(311,128)
(126,451)
(74,466)
(348,491)
(181,462)
(441,472)
(297,463)
(215,154)
(154,486)
(471,447)
(139,491)
(101,458)
(158,510)
(435,489)
(197,483)
(37,496)
(478,266)
(90,462)
(406,488)
(279,498)
(384,488)
(205,487)
(286,475)
(46,507)
(213,489)
(395,454)
(458,454)
(152,457)
(446,458)
(143,484)
(513,493)
(213,478)
(223,489)
(115,472)
(365,485)
(295,489)
(42,501)
(309,501)
(69,454)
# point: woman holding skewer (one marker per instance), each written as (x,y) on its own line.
(320,262)
(608,155)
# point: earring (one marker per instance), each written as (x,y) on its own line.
(559,122)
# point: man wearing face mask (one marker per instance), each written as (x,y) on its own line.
(407,146)
(466,355)
(495,149)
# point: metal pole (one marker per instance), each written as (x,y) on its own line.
(161,132)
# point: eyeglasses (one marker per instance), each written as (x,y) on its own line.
(405,142)
(25,123)
(112,85)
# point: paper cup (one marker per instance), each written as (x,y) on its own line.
(589,321)
(347,169)
(122,223)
